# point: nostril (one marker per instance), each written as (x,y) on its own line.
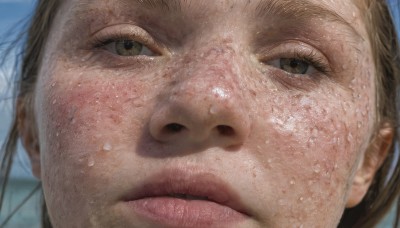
(225,130)
(173,128)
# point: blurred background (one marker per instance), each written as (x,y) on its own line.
(14,14)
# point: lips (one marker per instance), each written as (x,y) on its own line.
(178,198)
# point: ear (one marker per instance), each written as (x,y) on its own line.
(28,134)
(369,164)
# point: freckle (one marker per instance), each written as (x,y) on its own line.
(315,132)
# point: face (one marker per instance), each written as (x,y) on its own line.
(193,114)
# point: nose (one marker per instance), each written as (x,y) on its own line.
(204,107)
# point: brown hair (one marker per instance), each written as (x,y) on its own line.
(386,185)
(385,188)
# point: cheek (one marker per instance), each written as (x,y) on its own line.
(83,122)
(92,114)
(309,144)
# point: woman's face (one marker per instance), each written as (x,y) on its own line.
(204,113)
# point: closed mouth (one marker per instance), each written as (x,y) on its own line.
(178,198)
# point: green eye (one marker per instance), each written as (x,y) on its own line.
(124,47)
(128,48)
(294,66)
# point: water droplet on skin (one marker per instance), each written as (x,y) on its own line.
(281,202)
(57,134)
(359,124)
(350,138)
(292,182)
(54,101)
(317,168)
(107,147)
(266,141)
(53,84)
(90,162)
(301,199)
(220,93)
(213,110)
(86,57)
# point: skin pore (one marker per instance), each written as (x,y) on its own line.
(211,97)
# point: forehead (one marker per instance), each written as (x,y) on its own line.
(344,13)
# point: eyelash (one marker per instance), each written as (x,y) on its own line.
(102,41)
(311,58)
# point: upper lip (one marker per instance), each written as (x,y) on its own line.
(194,185)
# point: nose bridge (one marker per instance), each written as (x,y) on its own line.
(206,103)
(213,69)
(210,83)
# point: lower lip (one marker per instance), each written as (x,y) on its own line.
(175,212)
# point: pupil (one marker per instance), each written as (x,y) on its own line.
(294,66)
(128,44)
(294,63)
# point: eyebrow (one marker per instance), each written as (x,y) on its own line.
(301,10)
(169,5)
(298,10)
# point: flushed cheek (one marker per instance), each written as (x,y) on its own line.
(87,120)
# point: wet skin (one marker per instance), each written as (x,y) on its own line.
(211,98)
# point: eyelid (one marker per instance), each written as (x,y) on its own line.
(127,32)
(294,49)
